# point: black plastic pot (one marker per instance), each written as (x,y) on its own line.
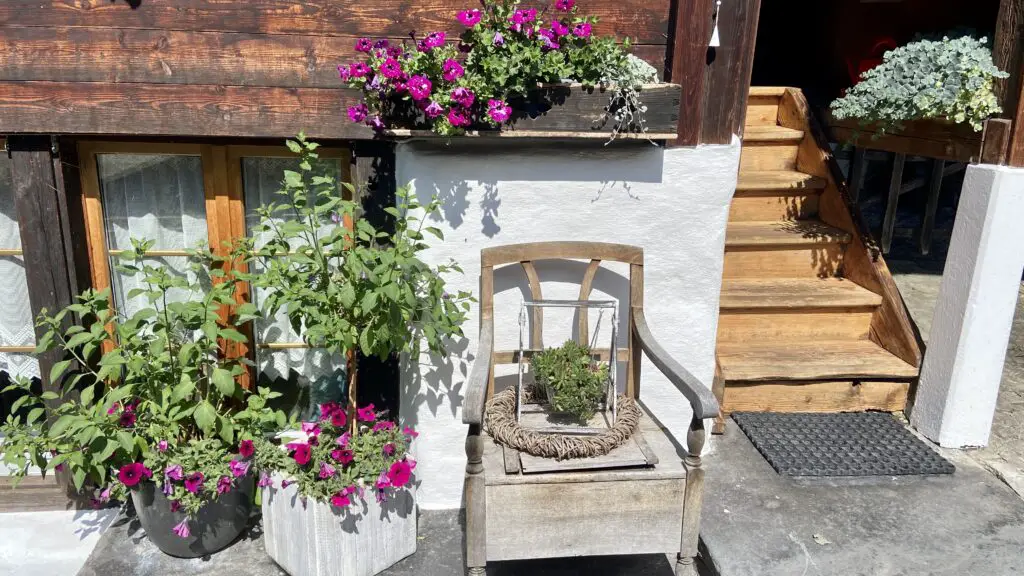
(216,526)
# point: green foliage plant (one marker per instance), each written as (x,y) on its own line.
(346,285)
(572,380)
(948,79)
(148,397)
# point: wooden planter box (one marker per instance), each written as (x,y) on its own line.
(930,138)
(313,539)
(572,111)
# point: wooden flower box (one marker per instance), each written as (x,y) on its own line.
(929,138)
(312,538)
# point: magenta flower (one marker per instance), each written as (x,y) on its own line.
(452,70)
(302,454)
(174,472)
(549,40)
(327,409)
(394,51)
(162,446)
(366,413)
(359,70)
(389,449)
(338,419)
(114,408)
(559,29)
(409,432)
(326,470)
(499,39)
(383,425)
(364,45)
(132,474)
(286,483)
(105,495)
(265,480)
(377,124)
(340,500)
(433,110)
(582,30)
(181,529)
(499,112)
(344,456)
(358,113)
(457,118)
(434,39)
(469,18)
(390,68)
(223,485)
(127,419)
(246,448)
(382,43)
(175,505)
(383,481)
(311,429)
(167,488)
(194,482)
(463,96)
(419,88)
(344,73)
(565,5)
(239,468)
(343,439)
(400,473)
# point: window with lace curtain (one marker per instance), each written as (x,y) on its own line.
(17,334)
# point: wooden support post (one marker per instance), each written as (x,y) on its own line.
(858,167)
(1008,55)
(899,159)
(718,389)
(44,225)
(995,141)
(693,499)
(689,35)
(476,504)
(934,189)
(727,71)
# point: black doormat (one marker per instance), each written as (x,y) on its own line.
(853,444)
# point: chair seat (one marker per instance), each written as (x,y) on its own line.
(595,512)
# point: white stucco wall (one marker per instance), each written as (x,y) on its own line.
(963,365)
(674,203)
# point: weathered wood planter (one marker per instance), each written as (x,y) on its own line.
(929,138)
(314,539)
(573,111)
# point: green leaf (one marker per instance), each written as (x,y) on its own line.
(58,369)
(78,477)
(126,440)
(59,426)
(86,397)
(205,416)
(183,389)
(294,146)
(34,414)
(233,335)
(50,395)
(224,382)
(78,339)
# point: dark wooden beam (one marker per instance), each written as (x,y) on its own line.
(1008,54)
(995,141)
(645,21)
(690,33)
(729,65)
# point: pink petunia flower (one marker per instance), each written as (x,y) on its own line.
(358,70)
(433,110)
(181,529)
(500,112)
(246,448)
(223,485)
(340,500)
(311,429)
(338,419)
(383,481)
(389,449)
(434,39)
(457,118)
(382,43)
(194,482)
(549,40)
(344,73)
(302,454)
(162,446)
(469,18)
(383,425)
(132,474)
(364,45)
(357,113)
(452,70)
(286,483)
(327,409)
(499,39)
(394,51)
(377,124)
(343,439)
(167,488)
(326,470)
(175,505)
(344,456)
(390,68)
(559,29)
(565,5)
(265,480)
(239,468)
(127,419)
(105,495)
(114,408)
(463,96)
(174,472)
(409,432)
(419,88)
(582,30)
(400,473)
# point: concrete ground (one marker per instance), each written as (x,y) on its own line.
(49,543)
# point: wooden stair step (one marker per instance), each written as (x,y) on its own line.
(783,233)
(771,134)
(754,180)
(811,360)
(794,293)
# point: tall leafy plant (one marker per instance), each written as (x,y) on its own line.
(346,285)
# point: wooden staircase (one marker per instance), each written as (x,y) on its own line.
(811,320)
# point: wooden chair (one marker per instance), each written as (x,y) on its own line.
(511,515)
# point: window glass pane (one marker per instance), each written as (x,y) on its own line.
(156,197)
(16,322)
(261,179)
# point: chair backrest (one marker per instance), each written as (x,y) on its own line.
(596,252)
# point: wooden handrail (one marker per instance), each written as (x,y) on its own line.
(704,403)
(476,385)
(531,252)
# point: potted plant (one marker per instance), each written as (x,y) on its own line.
(154,410)
(510,63)
(346,287)
(570,379)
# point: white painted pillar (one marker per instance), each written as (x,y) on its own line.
(963,364)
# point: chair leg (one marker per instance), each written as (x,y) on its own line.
(895,183)
(693,499)
(476,502)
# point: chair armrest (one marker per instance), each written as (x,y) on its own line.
(704,403)
(476,386)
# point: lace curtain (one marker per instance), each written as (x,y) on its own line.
(324,372)
(154,197)
(16,322)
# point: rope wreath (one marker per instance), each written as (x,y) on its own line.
(501,423)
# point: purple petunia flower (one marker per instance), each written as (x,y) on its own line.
(452,70)
(194,482)
(409,432)
(559,29)
(364,45)
(383,425)
(344,456)
(181,529)
(469,18)
(463,96)
(419,88)
(239,468)
(175,505)
(582,30)
(389,449)
(565,5)
(499,39)
(457,118)
(127,419)
(433,110)
(302,454)
(358,113)
(382,43)
(162,446)
(326,470)
(311,429)
(498,111)
(390,68)
(105,495)
(265,481)
(246,448)
(286,483)
(343,439)
(548,39)
(327,409)
(168,488)
(343,73)
(376,123)
(132,474)
(359,70)
(114,408)
(340,500)
(434,39)
(394,51)
(223,485)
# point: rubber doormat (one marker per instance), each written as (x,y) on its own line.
(853,444)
